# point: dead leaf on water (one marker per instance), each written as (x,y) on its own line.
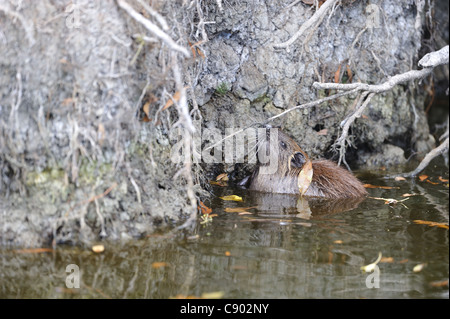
(419,267)
(235,198)
(222,177)
(382,187)
(98,249)
(443,283)
(423,177)
(432,224)
(443,180)
(205,210)
(213,295)
(238,209)
(387,260)
(399,178)
(159,264)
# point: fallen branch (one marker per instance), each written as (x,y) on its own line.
(312,22)
(153,28)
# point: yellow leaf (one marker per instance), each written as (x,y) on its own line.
(227,253)
(423,177)
(232,197)
(98,248)
(213,295)
(305,177)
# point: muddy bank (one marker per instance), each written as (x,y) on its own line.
(90,99)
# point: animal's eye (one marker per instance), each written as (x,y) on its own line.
(283,145)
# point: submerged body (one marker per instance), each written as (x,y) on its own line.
(328,180)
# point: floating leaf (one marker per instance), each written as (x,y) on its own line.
(338,242)
(400,178)
(159,264)
(423,177)
(222,177)
(419,267)
(409,195)
(232,197)
(205,210)
(443,180)
(34,250)
(227,253)
(238,209)
(371,267)
(434,183)
(213,295)
(443,283)
(382,187)
(387,260)
(221,183)
(432,224)
(305,177)
(98,249)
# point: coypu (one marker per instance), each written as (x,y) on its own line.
(328,179)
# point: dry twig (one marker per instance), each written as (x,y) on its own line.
(429,61)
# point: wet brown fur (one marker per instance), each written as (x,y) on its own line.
(328,181)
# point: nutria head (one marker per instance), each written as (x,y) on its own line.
(278,150)
(285,168)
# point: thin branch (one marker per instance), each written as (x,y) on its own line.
(311,104)
(443,148)
(152,28)
(310,23)
(429,61)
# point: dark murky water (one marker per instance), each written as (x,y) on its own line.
(270,253)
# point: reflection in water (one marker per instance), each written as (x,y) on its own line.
(302,207)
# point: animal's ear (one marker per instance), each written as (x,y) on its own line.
(297,160)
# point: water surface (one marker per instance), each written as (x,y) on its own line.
(269,253)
